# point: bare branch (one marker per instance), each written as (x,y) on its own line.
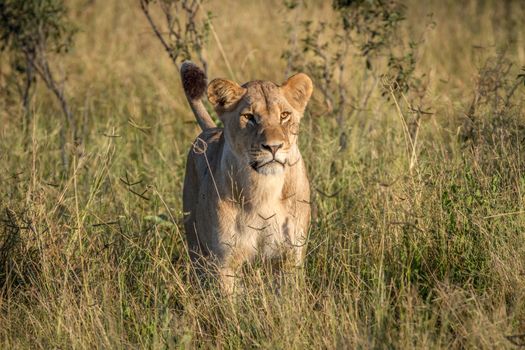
(144,5)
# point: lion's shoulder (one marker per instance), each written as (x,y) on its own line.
(205,150)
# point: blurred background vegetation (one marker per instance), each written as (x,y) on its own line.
(413,141)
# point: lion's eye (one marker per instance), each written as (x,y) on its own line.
(250,118)
(285,116)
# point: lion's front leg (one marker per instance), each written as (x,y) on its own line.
(227,279)
(296,242)
(237,250)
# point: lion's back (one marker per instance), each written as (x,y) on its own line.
(203,160)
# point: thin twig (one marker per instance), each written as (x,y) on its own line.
(328,195)
(144,6)
(504,214)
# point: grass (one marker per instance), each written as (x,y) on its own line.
(428,255)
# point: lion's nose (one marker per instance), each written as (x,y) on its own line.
(272,148)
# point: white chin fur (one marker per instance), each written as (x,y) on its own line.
(271,169)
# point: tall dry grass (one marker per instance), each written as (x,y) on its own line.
(424,256)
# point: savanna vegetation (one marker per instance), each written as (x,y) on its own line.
(413,141)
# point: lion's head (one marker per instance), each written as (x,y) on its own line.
(261,119)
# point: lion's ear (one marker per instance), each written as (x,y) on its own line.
(224,94)
(297,90)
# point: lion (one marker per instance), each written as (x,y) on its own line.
(246,191)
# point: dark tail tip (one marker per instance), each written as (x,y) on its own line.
(194,80)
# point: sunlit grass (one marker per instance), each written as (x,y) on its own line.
(399,256)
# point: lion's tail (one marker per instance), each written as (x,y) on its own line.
(195,82)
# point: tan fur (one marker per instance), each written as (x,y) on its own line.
(236,207)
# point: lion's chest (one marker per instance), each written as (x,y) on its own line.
(267,230)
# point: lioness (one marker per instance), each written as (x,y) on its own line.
(246,192)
